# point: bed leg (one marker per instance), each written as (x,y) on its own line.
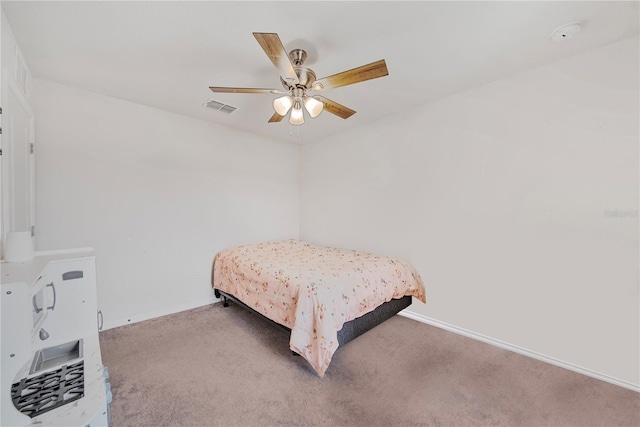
(216,293)
(225,302)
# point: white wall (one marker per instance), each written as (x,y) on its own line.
(500,197)
(156,194)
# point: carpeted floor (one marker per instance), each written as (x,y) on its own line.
(216,366)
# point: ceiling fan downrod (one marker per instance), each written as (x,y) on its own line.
(297,57)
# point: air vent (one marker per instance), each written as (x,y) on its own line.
(219,106)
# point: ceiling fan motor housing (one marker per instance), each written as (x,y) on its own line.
(306,77)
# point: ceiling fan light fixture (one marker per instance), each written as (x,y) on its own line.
(297,80)
(282,104)
(297,116)
(313,106)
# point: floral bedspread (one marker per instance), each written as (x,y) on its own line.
(312,290)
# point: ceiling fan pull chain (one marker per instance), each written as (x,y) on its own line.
(297,128)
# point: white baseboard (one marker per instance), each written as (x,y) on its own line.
(519,350)
(159,313)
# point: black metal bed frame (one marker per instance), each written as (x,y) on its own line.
(351,329)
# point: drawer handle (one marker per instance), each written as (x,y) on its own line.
(100,320)
(35,305)
(70,275)
(53,288)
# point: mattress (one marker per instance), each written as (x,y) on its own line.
(313,290)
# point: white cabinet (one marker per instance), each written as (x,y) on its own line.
(52,372)
(73,309)
(17,162)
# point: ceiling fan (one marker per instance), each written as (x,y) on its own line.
(299,81)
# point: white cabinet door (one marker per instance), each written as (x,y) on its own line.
(74,305)
(18,167)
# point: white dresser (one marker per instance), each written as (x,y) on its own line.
(52,372)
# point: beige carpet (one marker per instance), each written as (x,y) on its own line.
(228,367)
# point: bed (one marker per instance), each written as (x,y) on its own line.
(324,296)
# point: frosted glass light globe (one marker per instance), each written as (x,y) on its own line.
(313,106)
(282,104)
(297,116)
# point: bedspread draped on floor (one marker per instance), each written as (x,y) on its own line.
(313,290)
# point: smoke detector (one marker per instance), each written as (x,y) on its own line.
(566,31)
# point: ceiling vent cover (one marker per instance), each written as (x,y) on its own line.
(219,106)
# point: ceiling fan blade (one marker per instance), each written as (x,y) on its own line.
(272,46)
(243,90)
(275,118)
(356,75)
(335,108)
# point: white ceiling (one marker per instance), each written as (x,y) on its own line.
(167,54)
